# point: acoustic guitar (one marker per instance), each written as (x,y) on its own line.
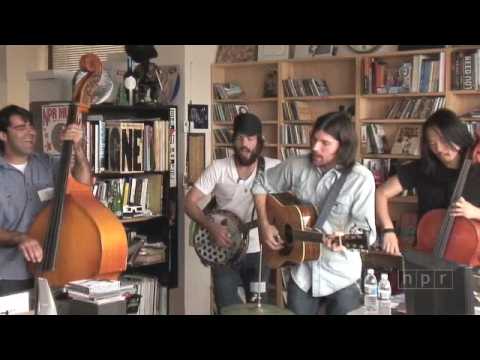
(294,222)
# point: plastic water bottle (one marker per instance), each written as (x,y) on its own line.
(370,288)
(384,296)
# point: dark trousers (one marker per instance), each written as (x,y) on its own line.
(340,302)
(228,278)
(14,286)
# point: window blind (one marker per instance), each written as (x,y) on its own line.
(67,57)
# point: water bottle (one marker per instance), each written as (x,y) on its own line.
(384,296)
(370,288)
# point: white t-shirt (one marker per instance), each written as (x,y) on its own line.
(20,167)
(232,193)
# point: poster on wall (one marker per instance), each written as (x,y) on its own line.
(54,118)
(198,117)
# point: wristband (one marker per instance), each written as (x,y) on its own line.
(389,230)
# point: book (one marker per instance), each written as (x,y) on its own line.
(88,286)
(54,119)
(407,141)
(125,146)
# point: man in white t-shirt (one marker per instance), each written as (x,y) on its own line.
(230,181)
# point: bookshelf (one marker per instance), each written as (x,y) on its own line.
(348,86)
(157,219)
(158,185)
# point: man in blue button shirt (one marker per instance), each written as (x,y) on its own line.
(333,278)
(27,184)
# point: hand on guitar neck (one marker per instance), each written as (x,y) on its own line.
(334,242)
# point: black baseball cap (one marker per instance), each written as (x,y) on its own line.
(247,124)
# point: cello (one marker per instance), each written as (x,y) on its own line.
(453,239)
(81,238)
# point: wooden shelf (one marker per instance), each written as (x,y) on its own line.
(246,100)
(320,98)
(116,174)
(402,95)
(246,64)
(305,123)
(297,146)
(404,200)
(403,53)
(465,92)
(136,266)
(321,59)
(139,219)
(389,156)
(230,145)
(230,123)
(393,121)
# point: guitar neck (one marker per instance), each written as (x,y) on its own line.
(355,241)
(308,235)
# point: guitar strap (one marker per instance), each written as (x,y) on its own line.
(260,171)
(331,199)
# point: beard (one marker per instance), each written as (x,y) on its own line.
(247,161)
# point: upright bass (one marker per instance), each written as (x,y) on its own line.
(455,239)
(81,238)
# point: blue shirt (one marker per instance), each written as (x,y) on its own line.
(20,204)
(354,210)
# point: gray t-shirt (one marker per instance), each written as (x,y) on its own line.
(20,203)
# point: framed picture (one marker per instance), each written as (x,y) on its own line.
(195,157)
(273,52)
(198,117)
(236,53)
(309,51)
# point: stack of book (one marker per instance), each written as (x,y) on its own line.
(154,297)
(466,70)
(425,73)
(228,112)
(297,111)
(99,291)
(223,136)
(287,152)
(305,87)
(415,108)
(296,135)
(227,91)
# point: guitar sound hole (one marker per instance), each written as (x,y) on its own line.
(285,251)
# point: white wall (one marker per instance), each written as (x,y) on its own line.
(21,59)
(193,293)
(3,75)
(198,61)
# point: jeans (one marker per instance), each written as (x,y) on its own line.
(14,286)
(340,302)
(228,278)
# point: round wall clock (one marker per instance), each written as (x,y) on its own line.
(363,48)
